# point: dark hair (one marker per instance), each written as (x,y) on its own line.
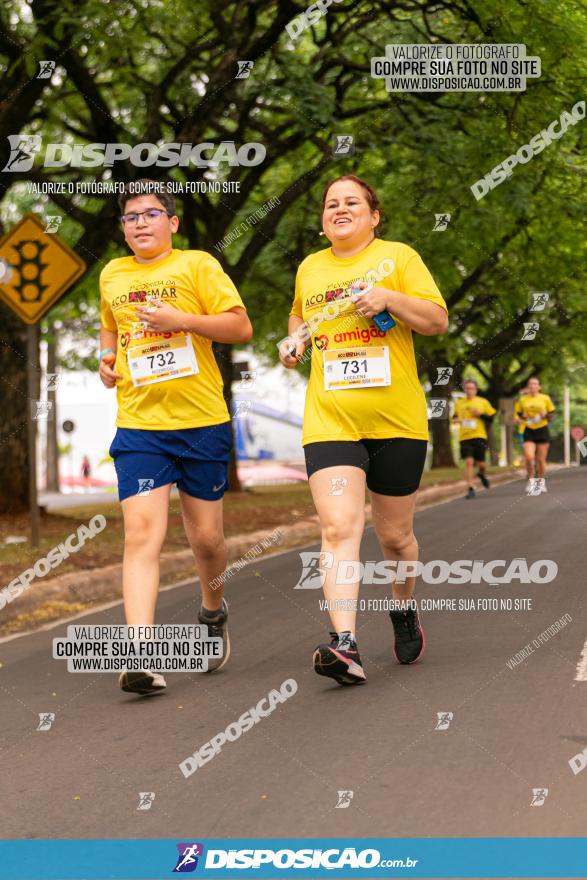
(143,187)
(370,194)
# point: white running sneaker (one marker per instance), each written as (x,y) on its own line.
(542,484)
(142,682)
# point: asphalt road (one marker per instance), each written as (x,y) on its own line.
(512,731)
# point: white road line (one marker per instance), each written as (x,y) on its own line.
(582,665)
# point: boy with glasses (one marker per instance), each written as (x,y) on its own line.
(161,309)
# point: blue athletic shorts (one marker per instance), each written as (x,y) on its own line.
(194,458)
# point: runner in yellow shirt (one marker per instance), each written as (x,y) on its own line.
(473,413)
(161,309)
(365,419)
(536,410)
(521,425)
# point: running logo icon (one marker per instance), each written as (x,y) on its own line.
(530,331)
(344,145)
(146,799)
(247,382)
(145,486)
(46,69)
(241,409)
(244,69)
(444,719)
(23,149)
(41,410)
(344,799)
(538,302)
(312,578)
(187,860)
(438,408)
(444,374)
(46,719)
(53,222)
(534,487)
(539,795)
(441,222)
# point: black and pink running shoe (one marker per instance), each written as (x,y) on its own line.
(340,660)
(409,636)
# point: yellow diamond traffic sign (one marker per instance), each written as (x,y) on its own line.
(36,268)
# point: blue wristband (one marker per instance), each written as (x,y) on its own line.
(106,351)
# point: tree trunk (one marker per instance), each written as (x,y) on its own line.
(51,452)
(492,444)
(440,427)
(441,445)
(14,474)
(223,354)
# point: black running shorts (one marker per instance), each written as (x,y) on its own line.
(474,448)
(537,435)
(393,467)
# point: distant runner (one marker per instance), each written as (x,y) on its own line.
(536,410)
(474,414)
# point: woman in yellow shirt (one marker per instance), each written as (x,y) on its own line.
(365,419)
(536,410)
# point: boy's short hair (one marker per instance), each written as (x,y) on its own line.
(470,382)
(147,187)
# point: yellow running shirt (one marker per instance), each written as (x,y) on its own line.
(350,410)
(472,426)
(193,282)
(529,408)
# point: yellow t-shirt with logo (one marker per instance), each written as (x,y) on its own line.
(395,410)
(193,282)
(472,427)
(529,408)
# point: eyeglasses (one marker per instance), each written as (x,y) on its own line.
(150,216)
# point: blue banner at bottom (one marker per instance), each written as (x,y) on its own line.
(369,858)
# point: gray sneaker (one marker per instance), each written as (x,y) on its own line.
(142,682)
(217,628)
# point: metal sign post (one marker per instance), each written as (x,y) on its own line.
(32,392)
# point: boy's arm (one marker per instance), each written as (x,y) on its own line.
(231,326)
(108,345)
(108,339)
